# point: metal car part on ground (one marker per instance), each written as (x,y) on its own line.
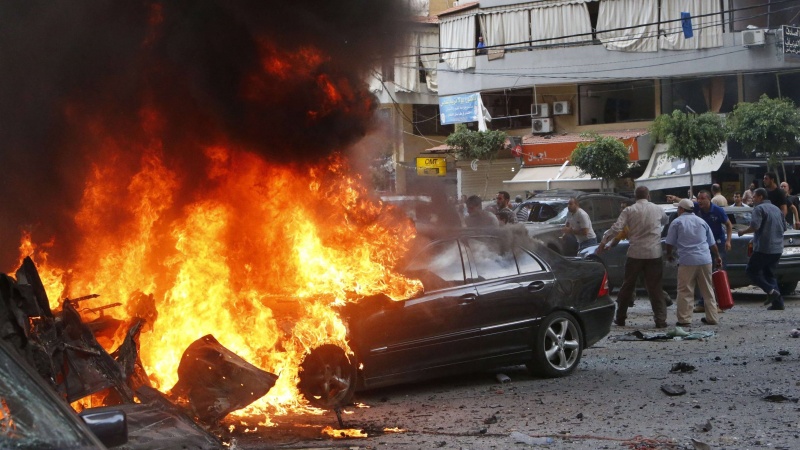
(491,298)
(65,357)
(787,271)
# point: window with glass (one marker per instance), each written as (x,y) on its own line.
(699,95)
(492,258)
(774,85)
(438,266)
(526,262)
(631,101)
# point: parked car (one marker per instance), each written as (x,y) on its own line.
(787,272)
(547,214)
(491,298)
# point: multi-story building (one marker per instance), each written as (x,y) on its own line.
(553,69)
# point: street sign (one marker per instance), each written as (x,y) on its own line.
(431,167)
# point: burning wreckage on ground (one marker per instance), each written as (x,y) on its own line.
(62,348)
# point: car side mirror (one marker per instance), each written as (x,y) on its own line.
(109,425)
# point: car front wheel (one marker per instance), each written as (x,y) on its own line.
(558,346)
(327,377)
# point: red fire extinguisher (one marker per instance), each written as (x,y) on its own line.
(722,289)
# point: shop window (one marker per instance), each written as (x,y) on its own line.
(632,101)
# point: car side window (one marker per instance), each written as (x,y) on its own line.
(438,266)
(491,258)
(526,262)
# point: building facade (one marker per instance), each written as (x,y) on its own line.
(554,69)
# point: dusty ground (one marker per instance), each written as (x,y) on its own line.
(742,394)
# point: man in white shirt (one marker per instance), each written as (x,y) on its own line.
(645,221)
(579,225)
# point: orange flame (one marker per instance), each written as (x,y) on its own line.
(259,260)
(344,433)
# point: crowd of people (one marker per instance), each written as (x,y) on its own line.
(698,240)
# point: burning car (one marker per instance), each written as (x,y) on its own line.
(490,299)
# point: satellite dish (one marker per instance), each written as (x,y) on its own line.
(474,165)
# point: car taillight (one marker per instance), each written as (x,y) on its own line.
(750,249)
(603,286)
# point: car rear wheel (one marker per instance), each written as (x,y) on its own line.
(327,377)
(787,288)
(558,346)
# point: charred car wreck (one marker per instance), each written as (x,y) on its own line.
(64,352)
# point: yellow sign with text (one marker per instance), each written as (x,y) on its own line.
(431,167)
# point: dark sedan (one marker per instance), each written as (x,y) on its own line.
(787,272)
(491,298)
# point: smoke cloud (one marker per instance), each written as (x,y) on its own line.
(216,72)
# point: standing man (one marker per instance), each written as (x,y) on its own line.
(747,198)
(644,221)
(774,194)
(768,224)
(718,198)
(716,219)
(503,206)
(476,216)
(579,225)
(793,205)
(692,238)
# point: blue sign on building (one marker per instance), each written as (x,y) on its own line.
(459,108)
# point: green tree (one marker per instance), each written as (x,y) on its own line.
(603,157)
(471,145)
(769,126)
(690,136)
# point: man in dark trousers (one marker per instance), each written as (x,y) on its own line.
(644,221)
(768,224)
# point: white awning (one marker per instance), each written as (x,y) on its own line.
(664,172)
(551,177)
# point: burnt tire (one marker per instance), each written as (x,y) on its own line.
(327,377)
(558,346)
(787,288)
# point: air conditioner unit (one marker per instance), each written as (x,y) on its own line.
(560,108)
(752,38)
(540,110)
(540,126)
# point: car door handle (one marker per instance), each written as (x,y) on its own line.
(467,299)
(536,286)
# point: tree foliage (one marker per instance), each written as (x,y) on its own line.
(470,144)
(769,126)
(603,157)
(690,136)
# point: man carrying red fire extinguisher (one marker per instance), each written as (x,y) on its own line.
(692,236)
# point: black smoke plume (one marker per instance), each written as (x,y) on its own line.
(65,63)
